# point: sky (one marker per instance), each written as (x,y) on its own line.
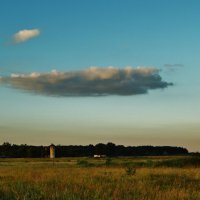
(86,72)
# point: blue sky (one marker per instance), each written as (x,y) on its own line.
(75,35)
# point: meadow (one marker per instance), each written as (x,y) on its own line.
(128,178)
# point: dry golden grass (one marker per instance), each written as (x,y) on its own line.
(37,179)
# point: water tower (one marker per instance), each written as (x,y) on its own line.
(52,151)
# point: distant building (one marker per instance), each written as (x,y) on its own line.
(52,151)
(99,156)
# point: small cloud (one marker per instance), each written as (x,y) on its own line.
(24,35)
(173,65)
(94,81)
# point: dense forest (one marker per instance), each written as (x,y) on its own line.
(109,149)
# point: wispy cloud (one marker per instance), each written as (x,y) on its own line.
(169,68)
(26,34)
(173,65)
(94,81)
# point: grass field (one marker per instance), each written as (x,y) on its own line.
(141,178)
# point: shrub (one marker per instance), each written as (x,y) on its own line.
(84,163)
(108,162)
(193,161)
(130,170)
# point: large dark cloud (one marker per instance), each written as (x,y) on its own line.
(94,81)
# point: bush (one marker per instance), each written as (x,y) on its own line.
(108,162)
(82,163)
(193,161)
(130,170)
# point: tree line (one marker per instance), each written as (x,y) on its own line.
(109,149)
